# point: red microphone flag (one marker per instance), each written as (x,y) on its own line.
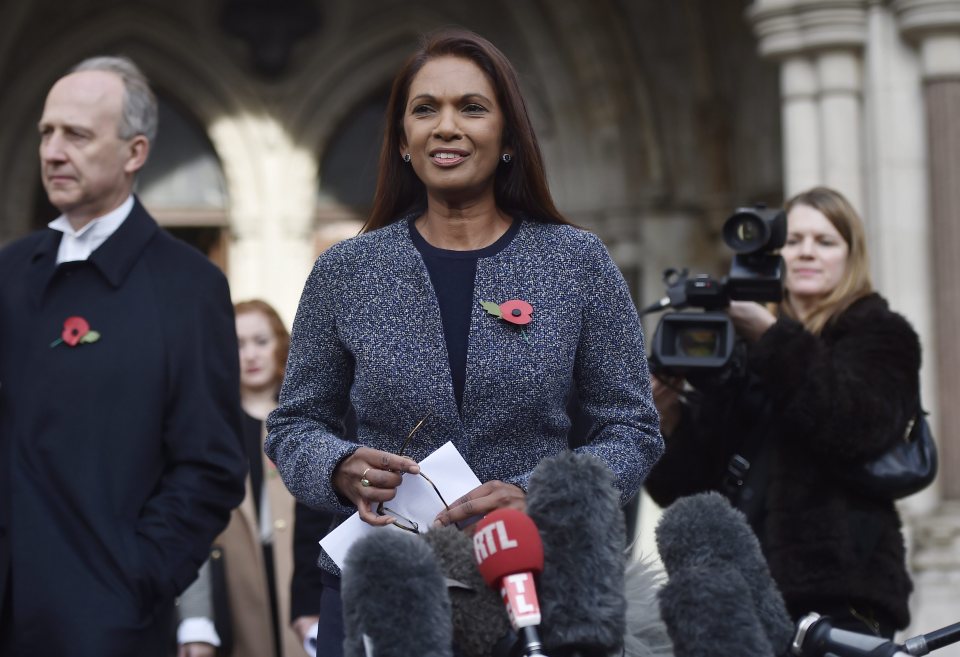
(509,552)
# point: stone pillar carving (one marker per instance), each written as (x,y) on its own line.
(801,124)
(819,44)
(273,200)
(841,121)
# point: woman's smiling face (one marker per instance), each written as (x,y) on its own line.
(453,129)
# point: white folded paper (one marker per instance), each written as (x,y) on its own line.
(415,500)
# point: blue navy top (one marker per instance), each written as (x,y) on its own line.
(452,274)
(369,332)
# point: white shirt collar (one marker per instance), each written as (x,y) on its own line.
(79,244)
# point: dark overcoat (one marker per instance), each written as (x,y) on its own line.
(120,458)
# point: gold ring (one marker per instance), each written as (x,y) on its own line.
(363,478)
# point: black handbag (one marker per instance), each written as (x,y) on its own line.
(908,467)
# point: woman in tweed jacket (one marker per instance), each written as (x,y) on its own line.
(397,322)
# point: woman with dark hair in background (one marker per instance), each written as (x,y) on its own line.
(270,586)
(468,300)
(830,383)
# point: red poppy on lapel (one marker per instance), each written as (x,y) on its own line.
(514,311)
(76,330)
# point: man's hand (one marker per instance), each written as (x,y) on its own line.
(196,649)
(302,624)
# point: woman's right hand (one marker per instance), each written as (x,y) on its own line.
(383,473)
(750,319)
(666,397)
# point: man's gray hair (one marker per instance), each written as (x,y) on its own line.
(139,103)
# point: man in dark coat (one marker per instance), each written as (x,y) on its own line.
(120,456)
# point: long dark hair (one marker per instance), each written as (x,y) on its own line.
(519,186)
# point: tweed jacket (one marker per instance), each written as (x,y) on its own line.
(368,331)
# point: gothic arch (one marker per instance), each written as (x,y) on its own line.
(585,89)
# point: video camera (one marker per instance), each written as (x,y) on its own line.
(704,342)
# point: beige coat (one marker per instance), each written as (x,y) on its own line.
(245,571)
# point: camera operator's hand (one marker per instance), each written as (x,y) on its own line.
(666,397)
(750,319)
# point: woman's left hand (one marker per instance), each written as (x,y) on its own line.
(750,319)
(482,500)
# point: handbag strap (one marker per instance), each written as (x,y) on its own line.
(915,417)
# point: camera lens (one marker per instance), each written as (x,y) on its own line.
(697,342)
(745,232)
(752,230)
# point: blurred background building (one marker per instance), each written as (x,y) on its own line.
(656,119)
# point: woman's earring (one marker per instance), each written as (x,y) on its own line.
(406,158)
(506,157)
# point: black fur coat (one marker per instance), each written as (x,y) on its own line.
(814,406)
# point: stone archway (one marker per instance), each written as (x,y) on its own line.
(247,137)
(584,86)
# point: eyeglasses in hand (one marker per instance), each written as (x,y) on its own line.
(402,521)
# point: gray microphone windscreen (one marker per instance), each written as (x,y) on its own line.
(703,608)
(480,621)
(395,601)
(704,530)
(575,504)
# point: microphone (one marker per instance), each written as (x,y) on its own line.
(707,612)
(816,637)
(480,624)
(703,538)
(395,601)
(508,552)
(575,504)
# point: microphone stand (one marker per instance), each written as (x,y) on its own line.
(815,637)
(924,643)
(529,642)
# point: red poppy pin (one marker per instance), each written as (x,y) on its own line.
(514,311)
(76,330)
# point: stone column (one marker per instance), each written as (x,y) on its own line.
(934,27)
(801,125)
(272,188)
(841,121)
(897,207)
(819,45)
